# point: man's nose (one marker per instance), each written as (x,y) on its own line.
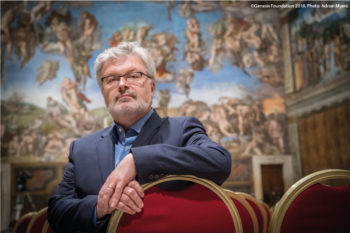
(122,83)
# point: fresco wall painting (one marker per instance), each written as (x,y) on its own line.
(220,61)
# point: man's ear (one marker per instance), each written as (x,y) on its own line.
(153,87)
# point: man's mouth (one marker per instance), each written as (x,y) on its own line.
(124,96)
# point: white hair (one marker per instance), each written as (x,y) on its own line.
(123,50)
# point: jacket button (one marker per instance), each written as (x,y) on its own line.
(151,177)
(156,177)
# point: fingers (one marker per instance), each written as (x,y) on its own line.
(127,205)
(116,196)
(134,197)
(102,207)
(131,198)
(135,185)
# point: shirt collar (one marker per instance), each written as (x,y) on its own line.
(137,126)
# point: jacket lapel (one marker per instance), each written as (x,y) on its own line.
(148,130)
(105,153)
(106,144)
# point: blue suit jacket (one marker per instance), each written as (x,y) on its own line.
(164,146)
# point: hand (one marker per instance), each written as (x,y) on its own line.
(111,191)
(131,199)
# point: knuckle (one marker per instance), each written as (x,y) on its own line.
(124,198)
(130,191)
(121,205)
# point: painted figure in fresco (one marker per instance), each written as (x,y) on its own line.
(24,39)
(128,33)
(257,142)
(80,64)
(62,32)
(194,44)
(115,39)
(60,114)
(233,33)
(55,144)
(193,34)
(6,35)
(269,75)
(184,80)
(142,33)
(29,144)
(14,147)
(249,35)
(47,71)
(220,116)
(73,97)
(88,25)
(162,48)
(108,165)
(185,9)
(164,99)
(86,122)
(39,10)
(275,131)
(218,51)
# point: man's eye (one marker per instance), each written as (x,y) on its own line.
(112,79)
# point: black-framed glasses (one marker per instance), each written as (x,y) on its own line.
(131,78)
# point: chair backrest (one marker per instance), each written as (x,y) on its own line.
(22,224)
(191,209)
(268,212)
(246,213)
(259,211)
(36,224)
(46,228)
(310,206)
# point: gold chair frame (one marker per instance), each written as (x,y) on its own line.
(293,192)
(30,215)
(246,205)
(117,215)
(260,207)
(37,215)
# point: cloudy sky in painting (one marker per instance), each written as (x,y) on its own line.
(111,16)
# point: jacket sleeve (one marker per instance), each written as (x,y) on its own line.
(189,152)
(67,212)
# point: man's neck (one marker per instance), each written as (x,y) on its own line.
(127,121)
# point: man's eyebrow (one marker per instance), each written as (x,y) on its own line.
(112,74)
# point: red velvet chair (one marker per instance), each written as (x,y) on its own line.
(259,210)
(268,212)
(37,222)
(313,207)
(200,207)
(46,228)
(22,224)
(248,217)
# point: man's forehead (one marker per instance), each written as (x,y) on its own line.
(124,63)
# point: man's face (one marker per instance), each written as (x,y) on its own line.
(125,99)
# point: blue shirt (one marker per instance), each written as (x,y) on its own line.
(126,138)
(125,141)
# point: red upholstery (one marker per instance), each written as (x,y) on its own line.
(21,226)
(38,223)
(268,213)
(258,214)
(47,228)
(246,219)
(319,209)
(192,209)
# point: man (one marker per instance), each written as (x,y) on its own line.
(106,168)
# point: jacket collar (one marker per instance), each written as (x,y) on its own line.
(106,143)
